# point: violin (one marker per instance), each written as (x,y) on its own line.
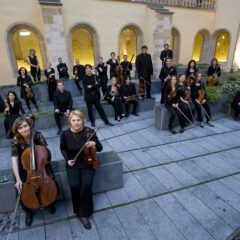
(29,92)
(213,80)
(119,73)
(187,97)
(39,190)
(201,94)
(90,157)
(172,94)
(141,90)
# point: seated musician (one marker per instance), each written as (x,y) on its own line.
(114,97)
(26,93)
(129,95)
(80,174)
(236,105)
(214,73)
(166,72)
(191,70)
(63,103)
(171,103)
(21,141)
(184,103)
(126,66)
(198,95)
(12,111)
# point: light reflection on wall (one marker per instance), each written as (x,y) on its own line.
(128,44)
(222,47)
(198,47)
(24,40)
(82,46)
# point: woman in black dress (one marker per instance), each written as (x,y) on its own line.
(21,141)
(34,65)
(191,72)
(80,176)
(51,81)
(12,112)
(114,98)
(26,93)
(113,62)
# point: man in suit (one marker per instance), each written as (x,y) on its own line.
(79,72)
(62,69)
(166,53)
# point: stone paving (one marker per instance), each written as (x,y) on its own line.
(183,186)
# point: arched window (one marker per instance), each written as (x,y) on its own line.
(82,46)
(23,40)
(175,44)
(222,47)
(198,47)
(128,43)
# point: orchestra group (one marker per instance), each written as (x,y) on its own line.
(183,96)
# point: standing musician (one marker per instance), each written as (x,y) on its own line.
(114,97)
(172,104)
(26,93)
(20,142)
(102,74)
(144,69)
(126,66)
(129,95)
(73,143)
(12,111)
(63,103)
(113,62)
(191,70)
(51,81)
(214,73)
(62,69)
(184,103)
(92,96)
(165,75)
(236,105)
(34,65)
(165,54)
(79,72)
(199,100)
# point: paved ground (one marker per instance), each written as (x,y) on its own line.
(183,186)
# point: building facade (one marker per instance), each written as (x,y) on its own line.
(86,29)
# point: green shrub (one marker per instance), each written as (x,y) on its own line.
(232,86)
(213,94)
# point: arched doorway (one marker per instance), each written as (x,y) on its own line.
(175,44)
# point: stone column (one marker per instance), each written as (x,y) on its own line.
(236,60)
(52,17)
(161,35)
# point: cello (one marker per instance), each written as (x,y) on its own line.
(119,72)
(39,189)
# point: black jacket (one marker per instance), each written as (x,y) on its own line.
(64,72)
(166,54)
(80,71)
(102,75)
(235,101)
(212,70)
(144,65)
(126,65)
(128,90)
(165,71)
(91,88)
(110,94)
(62,100)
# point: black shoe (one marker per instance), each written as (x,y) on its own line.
(127,115)
(181,130)
(59,132)
(29,219)
(93,124)
(172,131)
(86,225)
(210,124)
(52,208)
(109,124)
(135,114)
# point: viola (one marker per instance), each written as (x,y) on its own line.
(90,157)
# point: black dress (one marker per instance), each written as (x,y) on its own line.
(80,177)
(191,72)
(36,73)
(51,81)
(13,114)
(114,98)
(113,66)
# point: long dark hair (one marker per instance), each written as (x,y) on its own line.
(16,99)
(20,69)
(214,59)
(19,121)
(195,64)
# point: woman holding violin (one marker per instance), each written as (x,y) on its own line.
(19,150)
(113,62)
(75,143)
(214,73)
(199,100)
(171,103)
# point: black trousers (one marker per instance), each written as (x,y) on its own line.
(237,111)
(118,107)
(99,108)
(188,111)
(81,181)
(173,114)
(127,105)
(147,85)
(77,82)
(103,83)
(58,117)
(52,85)
(27,100)
(36,74)
(8,123)
(199,111)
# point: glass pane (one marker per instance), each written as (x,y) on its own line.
(222,47)
(198,47)
(82,46)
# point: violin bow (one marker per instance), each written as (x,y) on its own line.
(185,116)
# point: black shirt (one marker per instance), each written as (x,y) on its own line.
(195,87)
(113,66)
(165,71)
(62,70)
(16,108)
(144,65)
(169,101)
(62,100)
(102,75)
(128,90)
(166,54)
(126,65)
(212,70)
(190,72)
(71,143)
(21,81)
(80,71)
(50,75)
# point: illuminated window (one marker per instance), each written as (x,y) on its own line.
(128,43)
(198,47)
(222,47)
(82,46)
(23,40)
(172,41)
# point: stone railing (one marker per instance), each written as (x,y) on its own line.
(205,4)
